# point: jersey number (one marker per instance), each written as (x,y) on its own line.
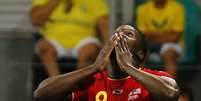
(101,96)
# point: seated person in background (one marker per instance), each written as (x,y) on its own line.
(69,28)
(162,22)
(125,80)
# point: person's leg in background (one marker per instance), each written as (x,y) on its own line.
(170,53)
(87,51)
(170,60)
(87,54)
(48,55)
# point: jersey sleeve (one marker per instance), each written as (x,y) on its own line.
(79,95)
(81,92)
(158,73)
(179,22)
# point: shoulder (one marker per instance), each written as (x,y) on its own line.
(163,76)
(100,75)
(177,5)
(155,72)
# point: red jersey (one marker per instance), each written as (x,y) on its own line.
(103,88)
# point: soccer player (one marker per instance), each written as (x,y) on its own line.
(124,80)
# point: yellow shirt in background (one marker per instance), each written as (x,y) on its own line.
(169,18)
(70,28)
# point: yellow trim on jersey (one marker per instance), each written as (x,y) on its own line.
(118,79)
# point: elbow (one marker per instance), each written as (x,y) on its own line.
(175,95)
(167,95)
(38,96)
(172,95)
(41,94)
(36,21)
(35,18)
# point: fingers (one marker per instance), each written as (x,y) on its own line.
(122,44)
(119,55)
(113,42)
(107,49)
(119,39)
(118,50)
(126,47)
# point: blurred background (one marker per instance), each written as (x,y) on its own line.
(21,68)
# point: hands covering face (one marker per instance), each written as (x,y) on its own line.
(124,56)
(103,57)
(119,41)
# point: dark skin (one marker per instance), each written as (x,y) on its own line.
(40,14)
(55,88)
(150,81)
(67,82)
(160,3)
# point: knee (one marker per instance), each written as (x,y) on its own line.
(170,56)
(170,52)
(43,47)
(90,50)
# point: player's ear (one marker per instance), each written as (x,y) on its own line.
(140,55)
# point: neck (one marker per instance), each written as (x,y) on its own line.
(160,4)
(115,72)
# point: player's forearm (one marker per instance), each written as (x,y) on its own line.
(159,89)
(52,71)
(40,14)
(57,86)
(174,36)
(103,26)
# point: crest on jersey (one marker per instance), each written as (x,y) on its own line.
(134,94)
(117,92)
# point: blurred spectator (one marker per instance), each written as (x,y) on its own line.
(162,21)
(69,28)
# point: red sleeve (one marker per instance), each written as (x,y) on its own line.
(80,93)
(158,73)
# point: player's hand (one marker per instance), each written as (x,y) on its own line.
(103,57)
(124,56)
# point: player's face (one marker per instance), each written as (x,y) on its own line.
(131,36)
